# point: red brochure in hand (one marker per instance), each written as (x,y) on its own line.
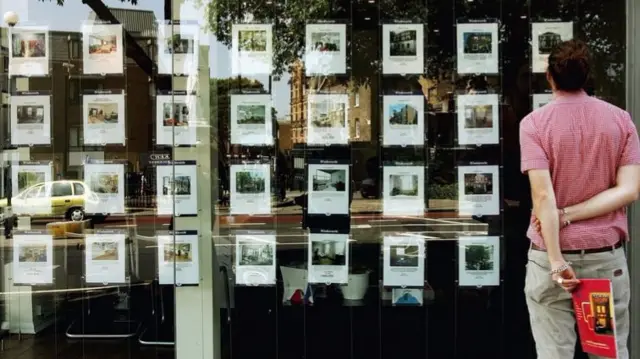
(593,305)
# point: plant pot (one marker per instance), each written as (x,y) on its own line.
(357,286)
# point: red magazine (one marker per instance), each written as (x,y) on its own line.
(593,305)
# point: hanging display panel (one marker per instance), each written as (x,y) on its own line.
(251,122)
(178,48)
(102,48)
(104,116)
(251,188)
(479,261)
(29,51)
(251,49)
(326,49)
(31,188)
(477,48)
(175,115)
(327,117)
(479,190)
(328,256)
(403,120)
(541,99)
(403,48)
(176,188)
(178,259)
(403,189)
(403,260)
(407,296)
(478,119)
(544,37)
(328,187)
(105,257)
(255,258)
(32,258)
(105,179)
(27,174)
(31,118)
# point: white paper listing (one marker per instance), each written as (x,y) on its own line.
(178,48)
(105,257)
(403,120)
(326,49)
(479,190)
(106,183)
(251,123)
(178,258)
(403,190)
(32,258)
(251,49)
(175,118)
(328,257)
(477,48)
(479,261)
(478,119)
(177,190)
(29,51)
(403,256)
(545,36)
(328,188)
(255,258)
(250,189)
(104,117)
(102,48)
(31,118)
(403,48)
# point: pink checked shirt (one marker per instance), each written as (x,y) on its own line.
(582,141)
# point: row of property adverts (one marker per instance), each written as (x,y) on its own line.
(251,188)
(250,119)
(255,259)
(252,48)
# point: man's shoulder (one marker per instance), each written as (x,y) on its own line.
(615,110)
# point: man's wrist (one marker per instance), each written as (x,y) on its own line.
(555,258)
(563,215)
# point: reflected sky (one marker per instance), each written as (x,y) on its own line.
(70,17)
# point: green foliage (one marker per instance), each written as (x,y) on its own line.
(443,191)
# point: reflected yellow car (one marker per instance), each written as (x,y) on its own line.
(65,198)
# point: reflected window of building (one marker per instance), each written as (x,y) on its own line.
(357,128)
(357,100)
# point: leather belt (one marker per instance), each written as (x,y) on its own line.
(584,251)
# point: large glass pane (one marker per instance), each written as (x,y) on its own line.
(282,179)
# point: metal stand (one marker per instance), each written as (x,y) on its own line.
(112,317)
(160,331)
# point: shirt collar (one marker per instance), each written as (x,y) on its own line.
(567,97)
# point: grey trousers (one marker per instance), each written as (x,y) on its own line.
(550,307)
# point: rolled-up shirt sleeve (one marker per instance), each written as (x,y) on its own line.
(631,150)
(532,154)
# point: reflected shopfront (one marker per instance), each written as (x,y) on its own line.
(215,179)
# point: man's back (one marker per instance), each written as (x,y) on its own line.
(582,141)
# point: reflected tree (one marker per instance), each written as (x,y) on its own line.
(478,257)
